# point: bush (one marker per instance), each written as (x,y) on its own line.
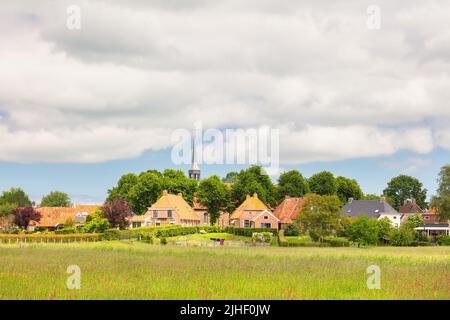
(443,240)
(262,237)
(57,238)
(292,230)
(401,237)
(65,231)
(337,241)
(248,232)
(111,234)
(163,241)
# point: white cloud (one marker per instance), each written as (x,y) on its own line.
(136,71)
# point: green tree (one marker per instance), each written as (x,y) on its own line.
(123,188)
(442,200)
(175,182)
(323,183)
(414,221)
(16,196)
(406,187)
(401,237)
(214,195)
(348,188)
(321,216)
(231,177)
(250,181)
(56,199)
(95,223)
(145,192)
(384,229)
(293,184)
(363,231)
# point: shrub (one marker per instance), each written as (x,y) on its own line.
(163,241)
(111,234)
(65,231)
(264,237)
(248,232)
(443,240)
(401,237)
(337,241)
(292,230)
(8,238)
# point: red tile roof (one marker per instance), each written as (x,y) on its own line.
(288,210)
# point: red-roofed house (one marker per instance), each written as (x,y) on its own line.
(288,210)
(410,207)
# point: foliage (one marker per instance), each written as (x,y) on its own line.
(337,241)
(23,217)
(231,177)
(321,216)
(442,200)
(56,199)
(348,188)
(443,240)
(414,221)
(16,196)
(292,229)
(364,231)
(248,232)
(117,212)
(250,181)
(292,183)
(50,238)
(96,223)
(7,209)
(264,237)
(385,228)
(214,195)
(405,187)
(163,241)
(401,237)
(323,183)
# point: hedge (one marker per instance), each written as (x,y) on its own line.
(283,242)
(443,240)
(154,231)
(52,238)
(337,241)
(248,232)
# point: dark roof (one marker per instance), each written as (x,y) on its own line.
(370,208)
(436,225)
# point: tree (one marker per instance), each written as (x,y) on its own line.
(414,221)
(214,195)
(363,231)
(406,187)
(231,177)
(348,188)
(123,188)
(117,212)
(96,223)
(401,237)
(321,216)
(16,196)
(23,216)
(56,199)
(293,184)
(442,200)
(384,229)
(292,229)
(323,183)
(175,181)
(146,191)
(250,181)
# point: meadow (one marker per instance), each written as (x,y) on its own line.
(131,270)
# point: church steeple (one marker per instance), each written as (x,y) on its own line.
(194,171)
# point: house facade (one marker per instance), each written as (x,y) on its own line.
(376,209)
(253,213)
(168,209)
(288,210)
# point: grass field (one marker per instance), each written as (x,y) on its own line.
(112,270)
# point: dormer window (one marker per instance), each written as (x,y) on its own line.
(376,211)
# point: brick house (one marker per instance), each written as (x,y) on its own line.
(409,208)
(202,212)
(168,209)
(54,218)
(253,213)
(288,210)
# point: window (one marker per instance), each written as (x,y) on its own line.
(155,213)
(172,222)
(266,217)
(266,225)
(136,224)
(395,217)
(158,223)
(426,218)
(246,223)
(169,213)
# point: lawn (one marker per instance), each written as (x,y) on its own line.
(113,270)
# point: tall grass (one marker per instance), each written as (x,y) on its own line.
(113,270)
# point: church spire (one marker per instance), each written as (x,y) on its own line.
(194,171)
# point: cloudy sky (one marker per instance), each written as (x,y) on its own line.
(79,107)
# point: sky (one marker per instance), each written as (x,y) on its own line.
(81,106)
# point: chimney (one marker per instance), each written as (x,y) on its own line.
(247,197)
(180,194)
(350,200)
(382,199)
(287,197)
(255,195)
(165,193)
(414,201)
